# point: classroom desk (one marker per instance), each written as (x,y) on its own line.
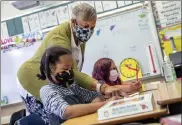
(92,118)
(5,120)
(169,93)
(8,110)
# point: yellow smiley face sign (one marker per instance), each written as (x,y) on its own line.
(129,68)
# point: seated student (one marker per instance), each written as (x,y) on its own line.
(106,71)
(62,98)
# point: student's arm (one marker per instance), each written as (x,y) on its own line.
(81,109)
(88,82)
(130,87)
(98,99)
(84,109)
(53,102)
(88,96)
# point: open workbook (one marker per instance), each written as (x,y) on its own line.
(127,106)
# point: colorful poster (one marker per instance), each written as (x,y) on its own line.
(20,41)
(169,12)
(168,19)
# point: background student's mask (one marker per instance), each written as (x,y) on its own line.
(113,75)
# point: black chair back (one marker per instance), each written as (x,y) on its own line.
(16,116)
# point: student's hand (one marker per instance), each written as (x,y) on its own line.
(98,99)
(112,91)
(113,98)
(134,86)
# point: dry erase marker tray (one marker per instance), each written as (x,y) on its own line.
(127,106)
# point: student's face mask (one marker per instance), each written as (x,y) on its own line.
(113,75)
(83,34)
(68,77)
(65,77)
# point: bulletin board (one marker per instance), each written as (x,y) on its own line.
(53,16)
(168,21)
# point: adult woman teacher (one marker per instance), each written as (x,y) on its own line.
(70,35)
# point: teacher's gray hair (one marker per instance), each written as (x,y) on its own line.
(84,12)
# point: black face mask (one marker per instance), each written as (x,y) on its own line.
(65,77)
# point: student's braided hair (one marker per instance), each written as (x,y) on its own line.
(50,56)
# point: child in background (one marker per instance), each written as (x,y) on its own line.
(62,98)
(106,72)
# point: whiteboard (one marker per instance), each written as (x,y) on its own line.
(123,36)
(10,63)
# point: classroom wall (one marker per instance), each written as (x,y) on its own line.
(8,11)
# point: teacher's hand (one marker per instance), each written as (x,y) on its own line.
(111,91)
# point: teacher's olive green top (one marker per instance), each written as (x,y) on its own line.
(60,36)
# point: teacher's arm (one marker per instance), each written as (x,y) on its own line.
(83,79)
(90,83)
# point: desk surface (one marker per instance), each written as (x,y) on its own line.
(169,93)
(5,120)
(163,94)
(92,118)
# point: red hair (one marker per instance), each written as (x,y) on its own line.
(101,71)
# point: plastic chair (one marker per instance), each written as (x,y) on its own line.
(32,119)
(16,116)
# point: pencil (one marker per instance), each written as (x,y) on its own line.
(143,87)
(136,73)
(137,76)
